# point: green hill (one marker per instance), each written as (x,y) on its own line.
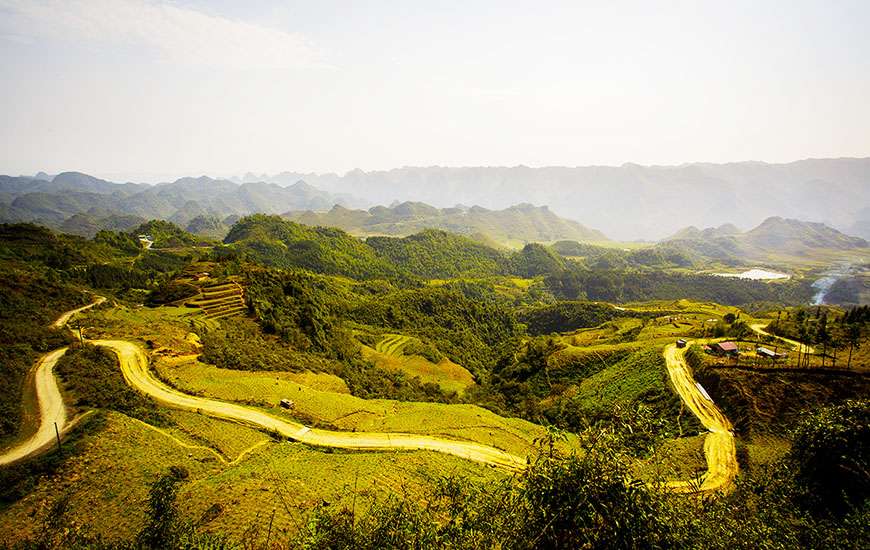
(437,254)
(535,259)
(166,234)
(273,241)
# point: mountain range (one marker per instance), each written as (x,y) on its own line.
(626,202)
(631,201)
(81,204)
(520,223)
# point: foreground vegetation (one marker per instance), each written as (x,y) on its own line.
(815,497)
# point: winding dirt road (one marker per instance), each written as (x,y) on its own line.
(134,366)
(720,450)
(51,406)
(797,346)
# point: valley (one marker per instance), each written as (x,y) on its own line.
(287,352)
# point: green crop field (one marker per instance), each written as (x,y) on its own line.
(346,412)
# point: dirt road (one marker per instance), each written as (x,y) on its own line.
(65,317)
(797,346)
(134,366)
(719,446)
(51,407)
(51,410)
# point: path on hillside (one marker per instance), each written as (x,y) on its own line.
(51,406)
(720,450)
(134,365)
(797,346)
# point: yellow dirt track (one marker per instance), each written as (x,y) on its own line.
(797,346)
(51,407)
(134,366)
(719,446)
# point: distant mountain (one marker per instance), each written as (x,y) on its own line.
(518,224)
(775,235)
(631,202)
(208,226)
(87,225)
(55,202)
(692,232)
(861,226)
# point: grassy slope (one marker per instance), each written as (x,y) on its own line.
(107,484)
(346,412)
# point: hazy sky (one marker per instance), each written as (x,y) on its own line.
(150,90)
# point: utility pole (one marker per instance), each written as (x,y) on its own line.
(57,433)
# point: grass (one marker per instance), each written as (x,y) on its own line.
(106,484)
(227,438)
(674,459)
(346,412)
(163,326)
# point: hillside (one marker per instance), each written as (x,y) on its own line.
(437,254)
(520,223)
(273,241)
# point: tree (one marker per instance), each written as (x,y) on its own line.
(823,336)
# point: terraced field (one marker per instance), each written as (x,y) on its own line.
(219,301)
(388,354)
(392,344)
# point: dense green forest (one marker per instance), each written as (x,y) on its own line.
(275,242)
(434,254)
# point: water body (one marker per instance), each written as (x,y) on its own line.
(756,275)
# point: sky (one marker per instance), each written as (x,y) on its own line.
(150,90)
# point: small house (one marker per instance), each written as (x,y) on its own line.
(724,348)
(681,343)
(768,353)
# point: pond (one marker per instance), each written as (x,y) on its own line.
(756,274)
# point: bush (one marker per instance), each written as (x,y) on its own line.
(831,456)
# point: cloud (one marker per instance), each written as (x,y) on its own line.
(175,34)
